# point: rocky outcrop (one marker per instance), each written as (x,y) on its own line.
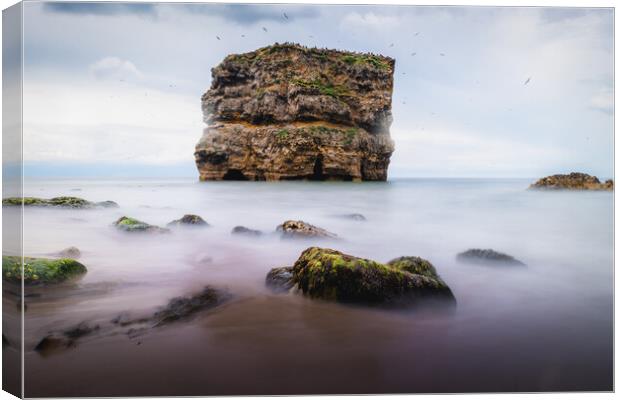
(573,181)
(289,112)
(331,275)
(40,271)
(60,202)
(487,256)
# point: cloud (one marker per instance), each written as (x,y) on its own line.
(251,14)
(114,68)
(603,101)
(108,9)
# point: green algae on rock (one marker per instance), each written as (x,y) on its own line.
(60,202)
(331,275)
(129,224)
(40,270)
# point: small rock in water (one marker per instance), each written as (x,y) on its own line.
(128,224)
(189,219)
(487,256)
(301,229)
(242,230)
(354,217)
(52,343)
(70,252)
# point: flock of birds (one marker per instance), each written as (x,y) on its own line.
(286,17)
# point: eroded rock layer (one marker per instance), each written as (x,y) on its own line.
(289,112)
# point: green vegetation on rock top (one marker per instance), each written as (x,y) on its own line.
(40,270)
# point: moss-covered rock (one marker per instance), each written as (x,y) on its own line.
(40,270)
(129,224)
(331,275)
(280,279)
(189,220)
(60,202)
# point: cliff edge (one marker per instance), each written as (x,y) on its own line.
(287,112)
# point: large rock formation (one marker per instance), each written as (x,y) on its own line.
(572,181)
(289,112)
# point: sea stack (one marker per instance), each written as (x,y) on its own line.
(288,112)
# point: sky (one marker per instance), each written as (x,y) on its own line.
(113,89)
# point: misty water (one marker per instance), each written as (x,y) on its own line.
(547,326)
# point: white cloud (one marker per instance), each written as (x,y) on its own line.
(115,69)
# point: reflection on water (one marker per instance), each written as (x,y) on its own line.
(544,327)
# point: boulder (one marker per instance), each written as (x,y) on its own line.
(572,181)
(58,202)
(301,229)
(70,252)
(487,256)
(40,271)
(128,224)
(242,230)
(286,112)
(189,220)
(331,275)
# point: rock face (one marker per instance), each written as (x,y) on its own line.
(40,271)
(287,112)
(331,275)
(60,202)
(573,181)
(487,256)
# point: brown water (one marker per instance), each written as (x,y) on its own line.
(545,327)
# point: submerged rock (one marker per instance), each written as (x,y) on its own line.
(59,341)
(573,181)
(60,202)
(189,219)
(178,308)
(242,230)
(128,224)
(331,275)
(280,279)
(70,252)
(487,256)
(353,217)
(301,229)
(40,271)
(287,112)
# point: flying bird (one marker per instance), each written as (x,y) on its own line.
(392,45)
(527,81)
(416,34)
(441,54)
(265,29)
(413,54)
(218,38)
(242,35)
(285,16)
